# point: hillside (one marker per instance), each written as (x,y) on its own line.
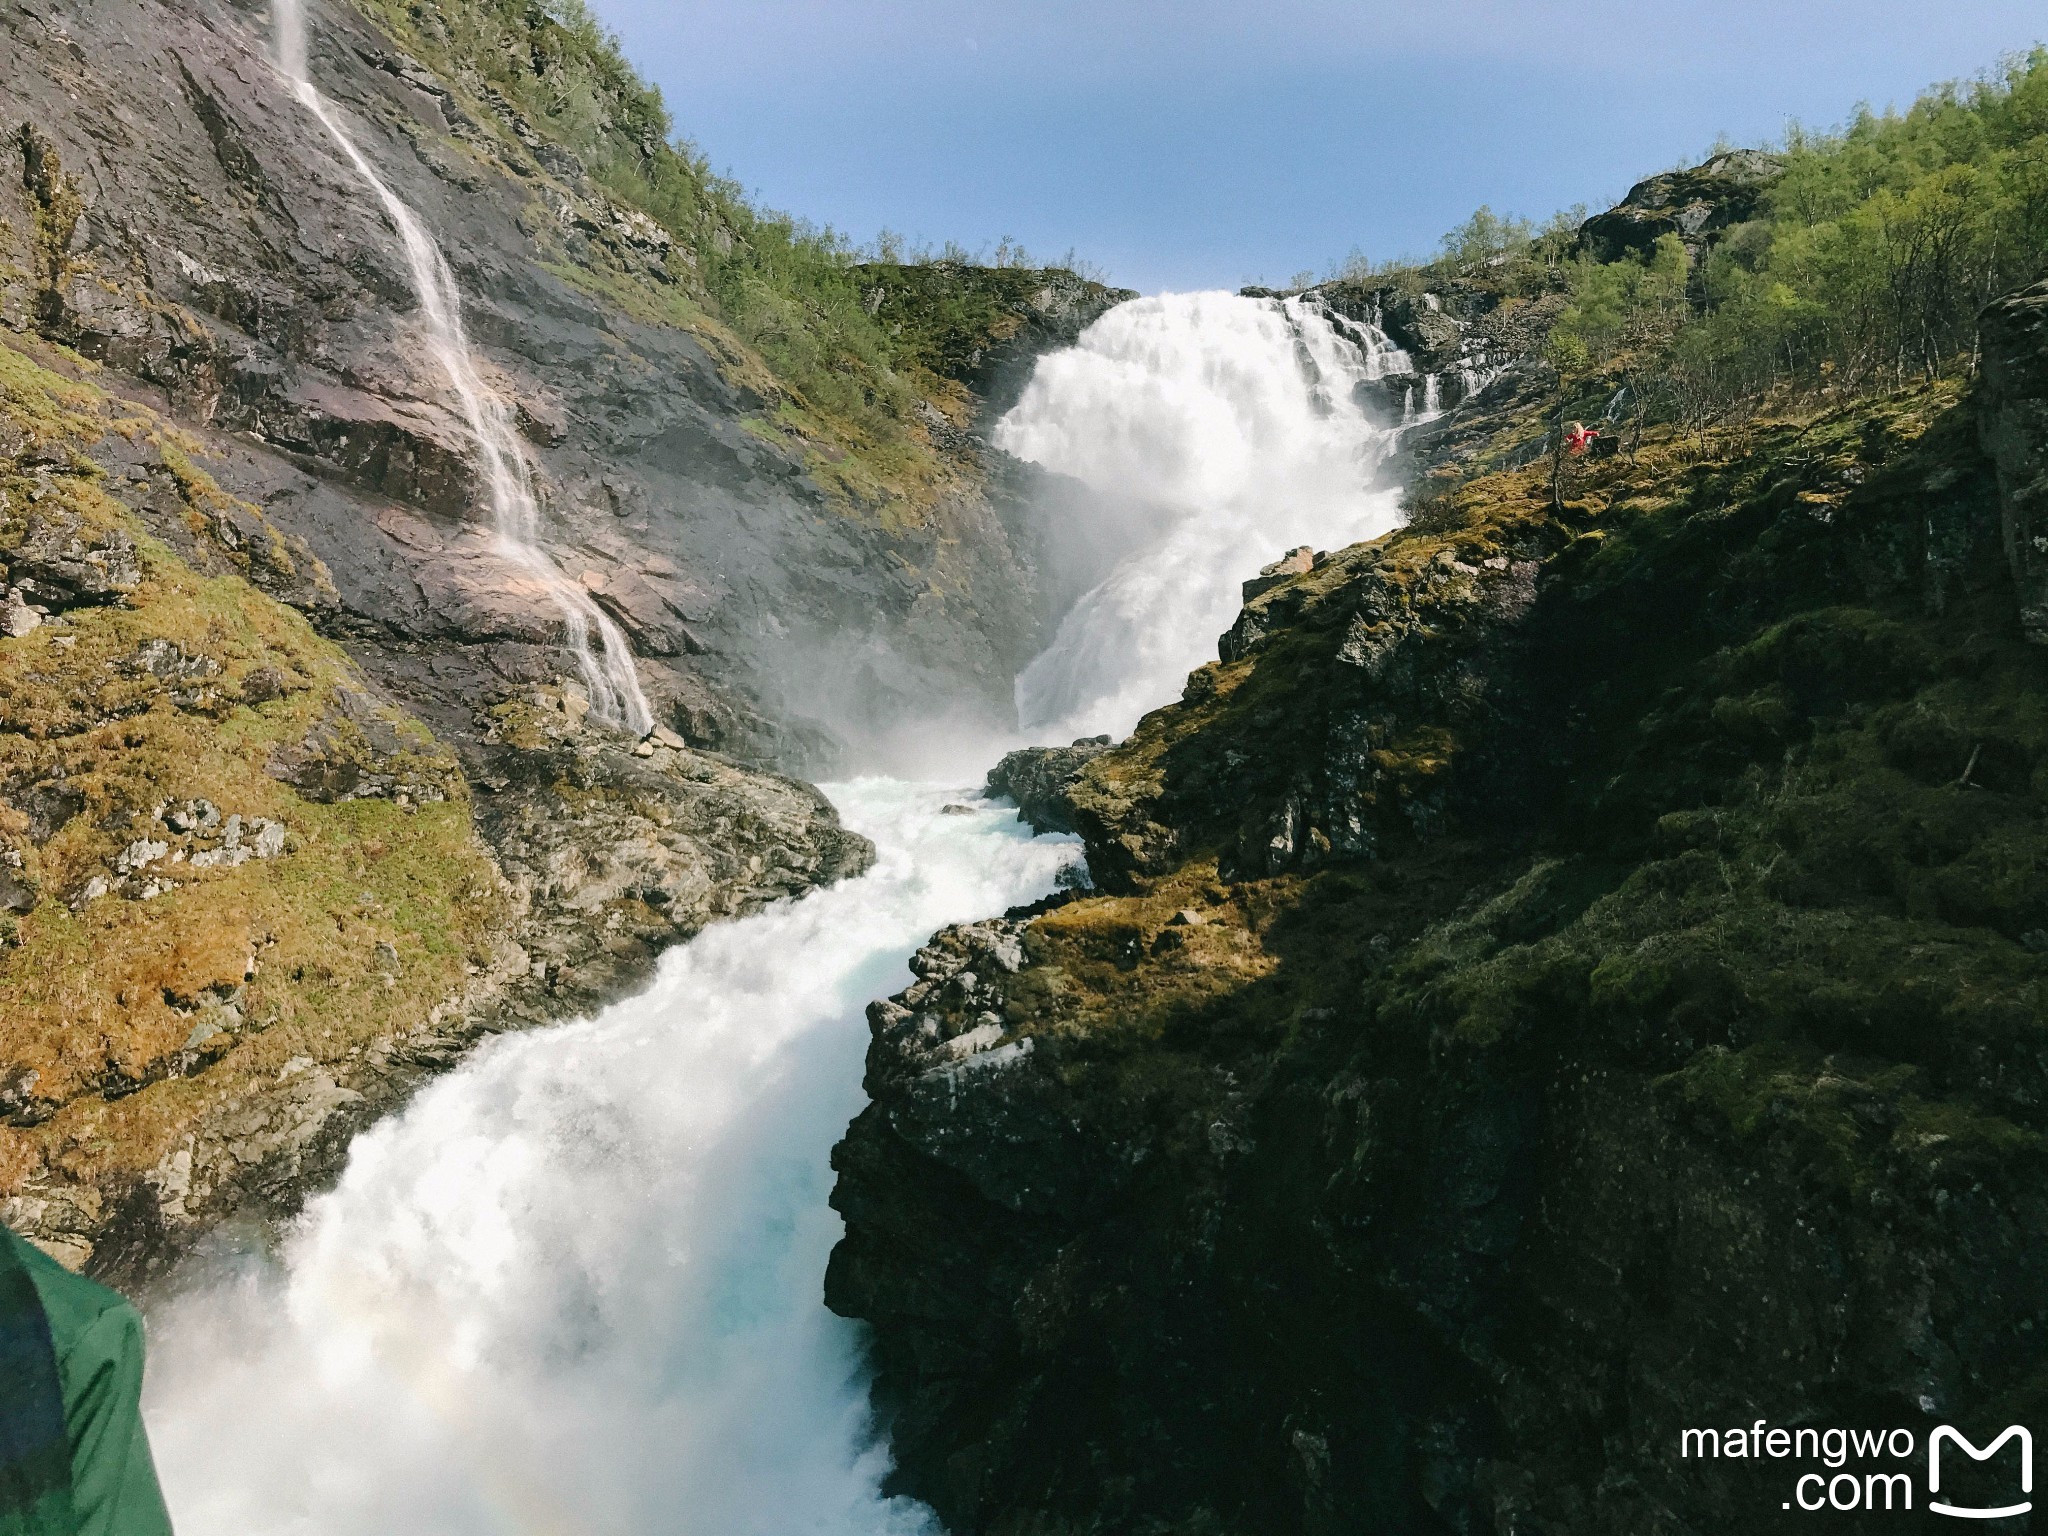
(732,453)
(299,792)
(1572,970)
(1566,975)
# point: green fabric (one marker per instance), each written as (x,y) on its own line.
(35,1451)
(97,1339)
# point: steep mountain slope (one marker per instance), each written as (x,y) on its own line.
(1574,970)
(298,790)
(246,900)
(183,219)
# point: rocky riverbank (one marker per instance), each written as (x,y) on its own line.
(298,794)
(1570,971)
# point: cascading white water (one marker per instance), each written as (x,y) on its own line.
(607,666)
(575,1286)
(1245,423)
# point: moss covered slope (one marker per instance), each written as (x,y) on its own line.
(1566,975)
(186,926)
(244,900)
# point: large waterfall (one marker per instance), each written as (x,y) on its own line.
(576,1285)
(1244,425)
(606,661)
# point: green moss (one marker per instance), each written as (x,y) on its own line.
(101,995)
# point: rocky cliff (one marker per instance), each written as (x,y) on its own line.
(2014,430)
(249,899)
(298,792)
(181,218)
(1571,971)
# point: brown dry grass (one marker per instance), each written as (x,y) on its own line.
(99,1002)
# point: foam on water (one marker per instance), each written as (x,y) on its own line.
(575,1285)
(1245,423)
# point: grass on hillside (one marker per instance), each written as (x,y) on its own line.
(372,913)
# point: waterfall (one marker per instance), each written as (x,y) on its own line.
(575,1285)
(602,654)
(1243,423)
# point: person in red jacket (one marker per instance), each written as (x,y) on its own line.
(1576,436)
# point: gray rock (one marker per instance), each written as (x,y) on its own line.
(192,816)
(169,661)
(17,618)
(62,563)
(18,893)
(1294,563)
(140,854)
(356,752)
(1693,204)
(1038,778)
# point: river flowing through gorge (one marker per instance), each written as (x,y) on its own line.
(576,1284)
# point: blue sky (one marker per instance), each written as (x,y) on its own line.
(1189,143)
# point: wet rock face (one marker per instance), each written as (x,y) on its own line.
(2013,425)
(174,213)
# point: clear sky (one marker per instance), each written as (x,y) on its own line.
(1197,143)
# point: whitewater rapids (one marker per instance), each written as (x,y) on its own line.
(576,1286)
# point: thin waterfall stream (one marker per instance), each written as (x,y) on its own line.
(605,661)
(576,1284)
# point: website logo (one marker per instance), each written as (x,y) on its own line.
(1946,1433)
(1867,1471)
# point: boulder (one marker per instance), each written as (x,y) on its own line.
(1038,779)
(63,562)
(17,618)
(1295,562)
